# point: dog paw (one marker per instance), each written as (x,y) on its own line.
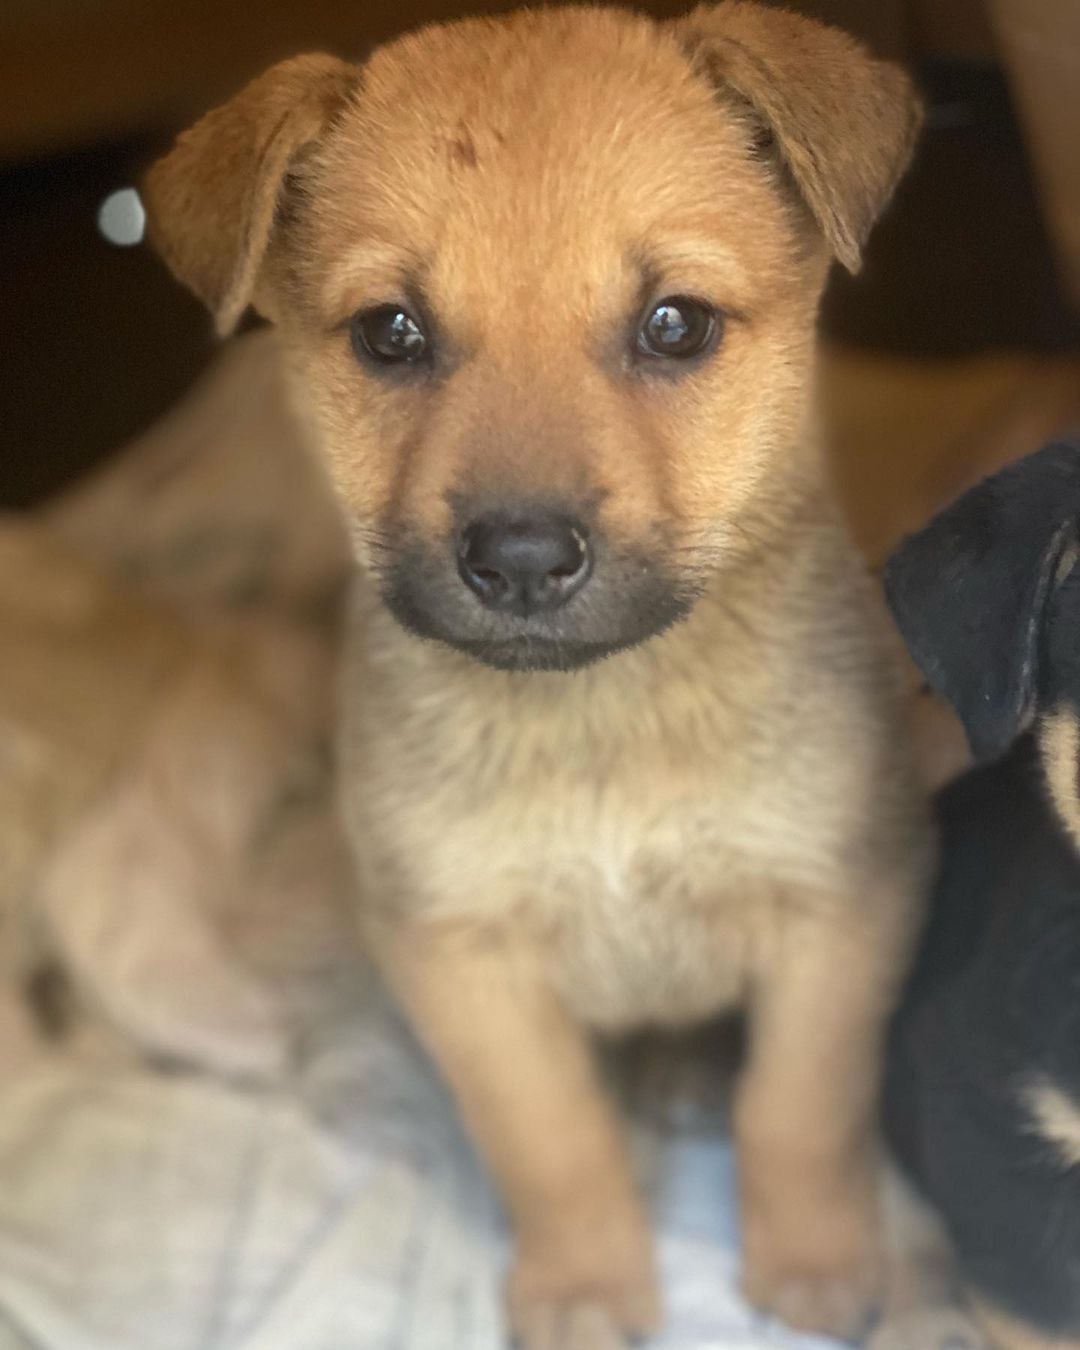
(554,1306)
(809,1293)
(825,1305)
(575,1324)
(812,1252)
(936,1328)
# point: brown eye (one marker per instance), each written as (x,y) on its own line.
(388,335)
(678,326)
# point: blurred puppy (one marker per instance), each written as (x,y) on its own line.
(984,1079)
(621,732)
(166,830)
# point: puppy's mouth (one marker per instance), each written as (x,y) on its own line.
(627,601)
(540,654)
(536,653)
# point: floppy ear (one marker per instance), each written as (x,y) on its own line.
(212,201)
(970,592)
(839,125)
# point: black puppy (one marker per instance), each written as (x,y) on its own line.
(983,1086)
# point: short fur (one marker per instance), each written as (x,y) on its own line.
(984,1080)
(720,813)
(167,833)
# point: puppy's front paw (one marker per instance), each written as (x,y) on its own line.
(828,1305)
(573,1297)
(830,1286)
(571,1324)
(936,1328)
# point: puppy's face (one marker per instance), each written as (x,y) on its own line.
(556,326)
(552,301)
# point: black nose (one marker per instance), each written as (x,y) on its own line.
(524,564)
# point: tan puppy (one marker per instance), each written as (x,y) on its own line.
(68,713)
(549,283)
(167,832)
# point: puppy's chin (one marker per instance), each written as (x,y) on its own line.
(624,605)
(534,653)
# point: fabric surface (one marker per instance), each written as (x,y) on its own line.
(143,1209)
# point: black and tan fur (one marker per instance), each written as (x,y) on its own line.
(984,1080)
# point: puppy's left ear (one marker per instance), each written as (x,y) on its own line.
(839,125)
(970,592)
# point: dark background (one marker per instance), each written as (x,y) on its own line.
(96,341)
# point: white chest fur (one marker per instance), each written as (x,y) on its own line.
(634,821)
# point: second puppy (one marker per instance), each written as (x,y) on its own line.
(983,1101)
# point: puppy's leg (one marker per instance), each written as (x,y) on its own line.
(924,1307)
(525,1084)
(806,1112)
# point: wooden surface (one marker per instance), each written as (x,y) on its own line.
(1039,41)
(907,436)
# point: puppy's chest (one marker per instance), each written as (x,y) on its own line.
(640,912)
(624,860)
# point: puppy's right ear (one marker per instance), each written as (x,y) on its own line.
(969,592)
(212,201)
(836,124)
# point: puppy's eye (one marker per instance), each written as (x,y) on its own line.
(388,335)
(678,326)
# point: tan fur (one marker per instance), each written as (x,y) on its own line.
(838,118)
(67,714)
(1055,1118)
(521,1069)
(1059,746)
(220,250)
(166,828)
(721,816)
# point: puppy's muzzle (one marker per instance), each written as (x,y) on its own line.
(524,564)
(529,587)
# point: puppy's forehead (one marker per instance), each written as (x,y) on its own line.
(551,138)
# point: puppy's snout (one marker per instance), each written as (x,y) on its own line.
(526,564)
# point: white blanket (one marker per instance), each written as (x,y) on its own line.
(142,1209)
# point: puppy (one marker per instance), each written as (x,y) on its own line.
(620,726)
(983,1100)
(167,831)
(67,716)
